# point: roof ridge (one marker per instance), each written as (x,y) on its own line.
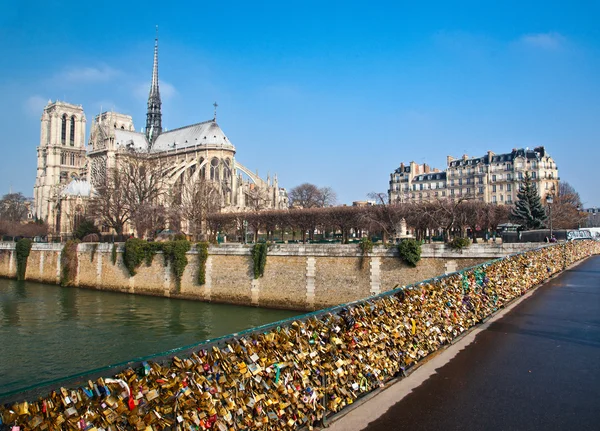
(191,125)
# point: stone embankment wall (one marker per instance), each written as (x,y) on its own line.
(291,374)
(299,277)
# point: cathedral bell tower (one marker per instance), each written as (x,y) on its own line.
(154,115)
(61,155)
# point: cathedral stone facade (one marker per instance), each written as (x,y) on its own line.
(68,169)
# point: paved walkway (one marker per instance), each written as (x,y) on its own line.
(535,366)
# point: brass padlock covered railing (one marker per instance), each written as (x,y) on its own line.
(290,374)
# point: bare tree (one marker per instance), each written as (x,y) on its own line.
(310,196)
(148,219)
(13,207)
(383,217)
(472,214)
(327,198)
(257,198)
(109,203)
(566,208)
(130,192)
(199,199)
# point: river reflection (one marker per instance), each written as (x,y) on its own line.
(48,332)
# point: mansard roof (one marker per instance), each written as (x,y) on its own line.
(206,133)
(432,176)
(529,154)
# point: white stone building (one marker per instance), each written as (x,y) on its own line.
(493,178)
(68,169)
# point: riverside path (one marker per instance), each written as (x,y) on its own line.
(535,366)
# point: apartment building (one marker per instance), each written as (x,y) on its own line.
(491,178)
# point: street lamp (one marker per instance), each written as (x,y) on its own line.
(549,200)
(578,217)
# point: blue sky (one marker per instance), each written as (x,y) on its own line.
(332,93)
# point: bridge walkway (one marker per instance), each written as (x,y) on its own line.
(535,366)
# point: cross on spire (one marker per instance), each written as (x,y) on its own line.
(216,106)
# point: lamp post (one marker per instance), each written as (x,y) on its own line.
(578,217)
(549,200)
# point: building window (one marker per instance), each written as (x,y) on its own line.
(481,190)
(63,159)
(494,188)
(508,177)
(501,187)
(508,187)
(460,181)
(443,192)
(533,175)
(72,135)
(63,129)
(468,190)
(73,159)
(452,192)
(214,169)
(494,199)
(501,198)
(520,175)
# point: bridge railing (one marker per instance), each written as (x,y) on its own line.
(292,373)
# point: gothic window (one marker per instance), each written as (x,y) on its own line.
(72,135)
(63,159)
(227,170)
(73,159)
(214,169)
(63,129)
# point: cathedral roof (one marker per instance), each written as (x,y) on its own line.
(125,138)
(78,188)
(206,133)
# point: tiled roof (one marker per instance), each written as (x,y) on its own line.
(205,133)
(125,138)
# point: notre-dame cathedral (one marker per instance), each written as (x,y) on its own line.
(67,168)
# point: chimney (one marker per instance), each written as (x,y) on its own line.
(490,154)
(465,157)
(449,159)
(426,168)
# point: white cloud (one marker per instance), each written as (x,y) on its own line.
(34,105)
(548,41)
(142,90)
(88,74)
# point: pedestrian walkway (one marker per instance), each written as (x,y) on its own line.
(535,366)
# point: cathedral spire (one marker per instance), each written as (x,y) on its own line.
(154,115)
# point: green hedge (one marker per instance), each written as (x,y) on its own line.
(410,251)
(202,248)
(259,258)
(23,248)
(174,253)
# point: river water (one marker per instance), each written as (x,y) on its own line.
(48,332)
